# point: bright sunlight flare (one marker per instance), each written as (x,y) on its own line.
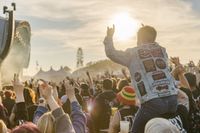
(125,26)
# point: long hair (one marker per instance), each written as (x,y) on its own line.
(46,123)
(29,96)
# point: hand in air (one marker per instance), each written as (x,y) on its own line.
(179,68)
(46,90)
(110,31)
(70,91)
(175,61)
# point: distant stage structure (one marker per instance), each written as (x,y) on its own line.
(15,36)
(79,57)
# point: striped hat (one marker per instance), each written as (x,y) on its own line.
(127,96)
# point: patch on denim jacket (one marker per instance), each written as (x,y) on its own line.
(158,75)
(160,63)
(141,88)
(157,52)
(137,76)
(149,65)
(144,53)
(161,88)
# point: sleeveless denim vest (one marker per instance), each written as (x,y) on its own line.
(150,73)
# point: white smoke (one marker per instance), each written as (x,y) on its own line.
(18,56)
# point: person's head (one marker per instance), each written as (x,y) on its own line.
(122,83)
(146,34)
(126,96)
(84,89)
(3,128)
(8,93)
(46,123)
(160,125)
(29,96)
(191,78)
(107,84)
(27,127)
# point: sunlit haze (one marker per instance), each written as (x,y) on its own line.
(126,26)
(59,28)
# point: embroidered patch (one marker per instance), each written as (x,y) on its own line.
(160,88)
(157,52)
(144,53)
(141,88)
(161,64)
(149,65)
(158,75)
(137,76)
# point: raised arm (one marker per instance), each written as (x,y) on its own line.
(19,113)
(77,116)
(118,56)
(62,120)
(91,81)
(178,72)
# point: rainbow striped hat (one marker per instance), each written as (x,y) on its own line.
(127,96)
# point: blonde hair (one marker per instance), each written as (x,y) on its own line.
(46,123)
(3,128)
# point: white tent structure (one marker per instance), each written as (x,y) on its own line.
(52,75)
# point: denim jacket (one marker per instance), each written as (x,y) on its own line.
(148,65)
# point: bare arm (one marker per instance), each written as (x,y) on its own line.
(179,73)
(19,110)
(62,120)
(90,81)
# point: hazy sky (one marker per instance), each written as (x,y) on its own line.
(60,27)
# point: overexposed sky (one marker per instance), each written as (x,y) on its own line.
(60,27)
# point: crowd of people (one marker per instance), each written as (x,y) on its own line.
(151,99)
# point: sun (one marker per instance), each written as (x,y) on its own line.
(125,26)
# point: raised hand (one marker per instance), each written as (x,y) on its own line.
(175,61)
(110,31)
(46,90)
(70,91)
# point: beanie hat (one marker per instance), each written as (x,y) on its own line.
(160,125)
(127,96)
